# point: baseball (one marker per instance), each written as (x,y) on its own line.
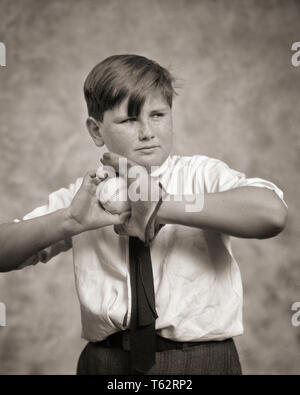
(112,193)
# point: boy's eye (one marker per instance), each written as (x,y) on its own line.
(128,120)
(158,114)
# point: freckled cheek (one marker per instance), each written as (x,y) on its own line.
(118,142)
(165,133)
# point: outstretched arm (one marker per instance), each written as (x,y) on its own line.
(21,240)
(247,212)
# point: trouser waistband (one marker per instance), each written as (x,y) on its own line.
(121,340)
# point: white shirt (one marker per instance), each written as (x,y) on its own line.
(198,288)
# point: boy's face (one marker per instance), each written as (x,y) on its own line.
(146,139)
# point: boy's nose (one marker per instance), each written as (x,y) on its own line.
(145,132)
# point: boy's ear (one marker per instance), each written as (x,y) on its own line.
(94,129)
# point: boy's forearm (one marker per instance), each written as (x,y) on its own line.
(248,212)
(21,240)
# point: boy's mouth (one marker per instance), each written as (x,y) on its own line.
(146,148)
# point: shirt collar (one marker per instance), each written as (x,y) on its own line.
(162,168)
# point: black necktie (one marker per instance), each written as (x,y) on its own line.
(143,314)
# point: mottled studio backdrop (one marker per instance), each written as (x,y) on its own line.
(238,101)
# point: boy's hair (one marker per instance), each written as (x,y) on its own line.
(125,76)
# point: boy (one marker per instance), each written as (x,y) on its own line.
(197,284)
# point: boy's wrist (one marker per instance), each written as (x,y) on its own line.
(162,214)
(179,209)
(71,227)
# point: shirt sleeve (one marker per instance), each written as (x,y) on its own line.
(61,198)
(219,177)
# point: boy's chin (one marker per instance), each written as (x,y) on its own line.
(148,162)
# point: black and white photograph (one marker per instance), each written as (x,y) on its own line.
(149,161)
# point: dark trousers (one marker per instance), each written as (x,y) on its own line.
(207,358)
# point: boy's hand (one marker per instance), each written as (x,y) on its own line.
(85,212)
(141,222)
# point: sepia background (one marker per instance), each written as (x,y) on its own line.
(238,101)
